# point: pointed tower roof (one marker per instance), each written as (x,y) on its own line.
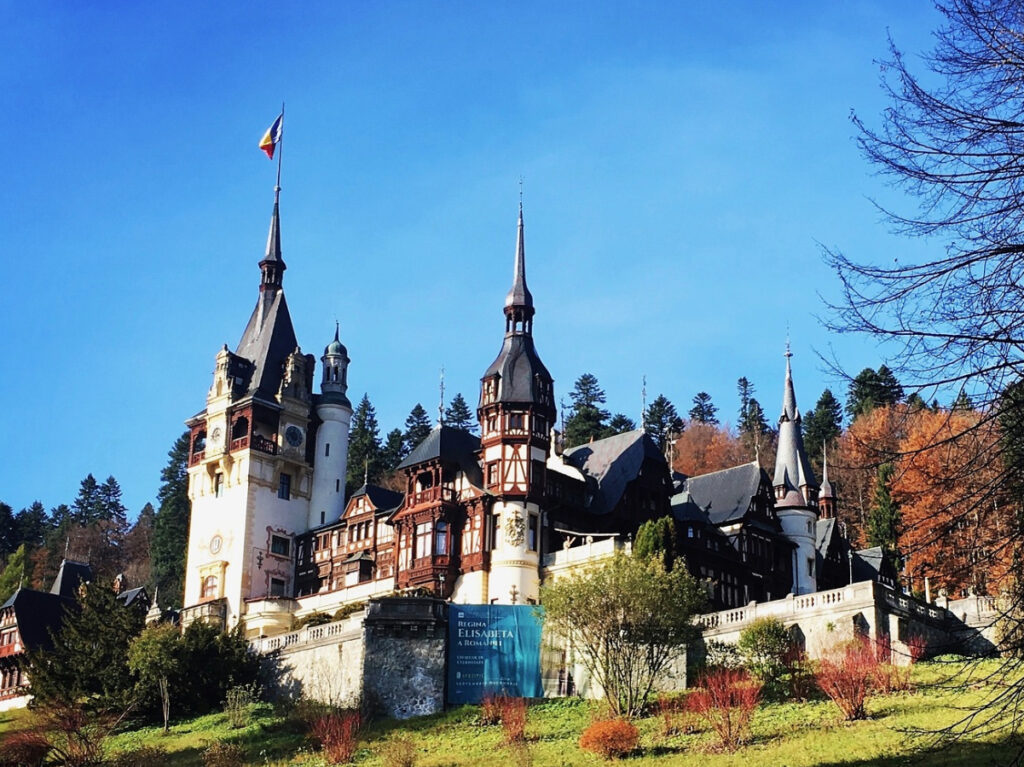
(522,377)
(826,486)
(269,337)
(519,295)
(792,467)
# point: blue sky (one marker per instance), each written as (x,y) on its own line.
(681,163)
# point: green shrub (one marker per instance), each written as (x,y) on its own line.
(222,754)
(313,619)
(347,610)
(764,646)
(398,752)
(721,655)
(238,704)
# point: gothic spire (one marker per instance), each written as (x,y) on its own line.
(826,486)
(792,468)
(272,266)
(519,301)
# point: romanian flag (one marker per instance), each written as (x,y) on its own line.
(272,137)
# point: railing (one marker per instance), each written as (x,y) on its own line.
(240,443)
(787,607)
(434,495)
(196,457)
(264,445)
(590,550)
(307,635)
(10,649)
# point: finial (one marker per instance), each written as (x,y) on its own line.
(440,404)
(366,472)
(757,453)
(67,546)
(336,328)
(520,192)
(824,461)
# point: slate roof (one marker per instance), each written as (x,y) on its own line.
(450,445)
(70,576)
(724,496)
(381,498)
(824,529)
(518,367)
(612,463)
(870,564)
(37,613)
(792,467)
(267,341)
(130,596)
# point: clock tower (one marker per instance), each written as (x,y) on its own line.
(250,460)
(516,414)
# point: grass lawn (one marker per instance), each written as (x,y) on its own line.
(784,735)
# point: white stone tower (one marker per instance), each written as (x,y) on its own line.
(331,460)
(796,491)
(516,414)
(250,461)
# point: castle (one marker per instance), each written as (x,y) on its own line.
(481,520)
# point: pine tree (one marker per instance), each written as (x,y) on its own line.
(394,450)
(32,525)
(586,420)
(661,421)
(112,507)
(364,448)
(88,664)
(459,416)
(745,389)
(657,538)
(15,574)
(170,526)
(8,532)
(417,427)
(88,506)
(822,426)
(883,528)
(620,424)
(703,410)
(752,426)
(871,389)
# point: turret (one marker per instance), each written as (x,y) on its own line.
(516,414)
(796,490)
(827,496)
(330,463)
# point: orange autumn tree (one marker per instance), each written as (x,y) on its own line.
(872,440)
(956,515)
(703,448)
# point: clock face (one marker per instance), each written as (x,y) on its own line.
(294,436)
(215,543)
(215,435)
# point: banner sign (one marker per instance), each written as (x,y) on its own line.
(493,649)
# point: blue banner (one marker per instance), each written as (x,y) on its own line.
(493,649)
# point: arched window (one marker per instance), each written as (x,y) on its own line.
(240,428)
(209,587)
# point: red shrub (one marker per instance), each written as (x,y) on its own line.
(513,718)
(338,735)
(847,674)
(917,646)
(28,748)
(490,709)
(890,678)
(675,719)
(611,738)
(725,701)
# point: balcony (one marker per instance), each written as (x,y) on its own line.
(214,612)
(239,444)
(263,445)
(432,495)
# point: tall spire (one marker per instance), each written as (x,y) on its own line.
(519,302)
(792,468)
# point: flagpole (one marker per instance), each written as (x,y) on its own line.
(280,153)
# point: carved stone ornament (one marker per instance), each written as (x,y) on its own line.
(515,529)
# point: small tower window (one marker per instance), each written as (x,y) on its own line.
(277,587)
(284,487)
(327,449)
(337,485)
(323,517)
(280,546)
(441,538)
(218,484)
(209,587)
(531,532)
